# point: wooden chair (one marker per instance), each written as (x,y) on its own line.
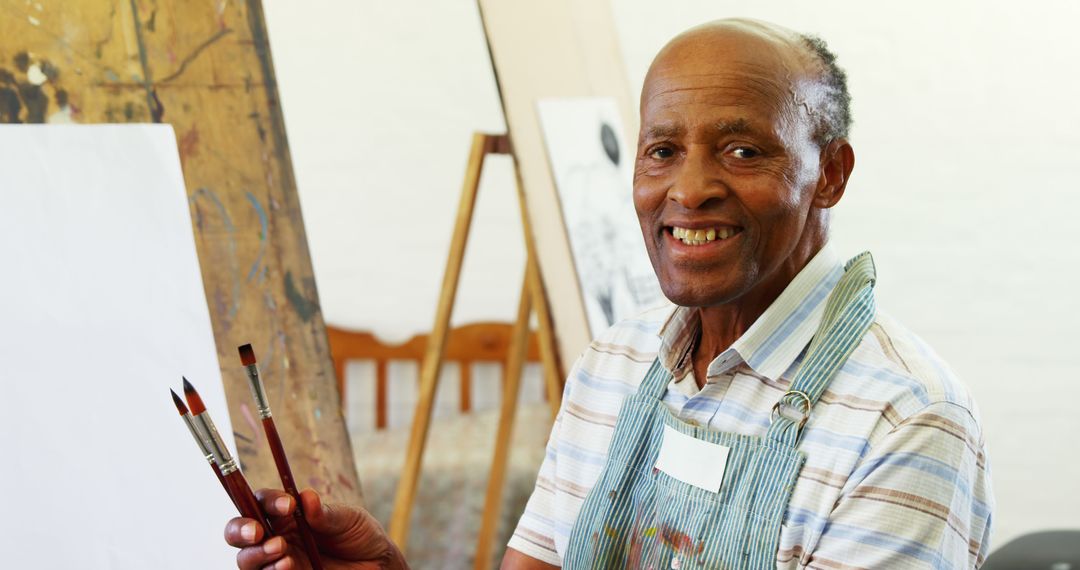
(468,344)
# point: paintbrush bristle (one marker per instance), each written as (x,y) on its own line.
(180,407)
(247,355)
(193,399)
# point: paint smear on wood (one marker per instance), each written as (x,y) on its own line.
(303,306)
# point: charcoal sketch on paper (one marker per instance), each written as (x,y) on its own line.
(592,171)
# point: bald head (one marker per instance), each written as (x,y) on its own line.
(711,36)
(794,69)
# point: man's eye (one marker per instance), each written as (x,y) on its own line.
(745,152)
(662,153)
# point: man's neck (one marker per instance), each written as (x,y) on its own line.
(722,325)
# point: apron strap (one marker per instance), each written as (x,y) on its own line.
(848,315)
(656,381)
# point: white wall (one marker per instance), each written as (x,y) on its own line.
(968,156)
(381,100)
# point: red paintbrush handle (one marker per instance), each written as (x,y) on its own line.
(246,502)
(278,451)
(224,484)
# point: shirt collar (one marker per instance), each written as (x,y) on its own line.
(771,345)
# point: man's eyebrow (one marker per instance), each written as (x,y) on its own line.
(733,127)
(736,127)
(663,131)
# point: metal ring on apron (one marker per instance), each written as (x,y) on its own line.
(805,414)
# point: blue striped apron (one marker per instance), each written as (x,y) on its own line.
(637,516)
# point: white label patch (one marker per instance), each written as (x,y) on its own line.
(692,461)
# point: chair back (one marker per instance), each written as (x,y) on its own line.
(465,345)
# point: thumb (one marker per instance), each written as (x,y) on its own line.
(350,533)
(326,519)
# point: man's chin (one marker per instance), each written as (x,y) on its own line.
(697,296)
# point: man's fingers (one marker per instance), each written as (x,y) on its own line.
(283,564)
(312,504)
(294,559)
(278,507)
(275,503)
(241,532)
(266,555)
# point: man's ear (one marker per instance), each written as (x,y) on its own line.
(837,161)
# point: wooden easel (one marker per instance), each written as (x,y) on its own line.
(206,68)
(532,298)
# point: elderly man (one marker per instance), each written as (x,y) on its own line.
(773,418)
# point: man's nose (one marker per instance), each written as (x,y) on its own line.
(698,179)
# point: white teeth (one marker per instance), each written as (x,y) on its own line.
(700,237)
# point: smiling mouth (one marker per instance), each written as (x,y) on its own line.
(704,236)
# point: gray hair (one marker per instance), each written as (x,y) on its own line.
(833,117)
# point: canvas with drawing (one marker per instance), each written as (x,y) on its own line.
(592,171)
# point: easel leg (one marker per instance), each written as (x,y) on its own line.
(553,372)
(429,371)
(532,297)
(515,361)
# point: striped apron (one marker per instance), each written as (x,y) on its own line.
(638,516)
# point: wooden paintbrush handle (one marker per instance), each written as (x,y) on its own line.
(246,502)
(224,484)
(278,451)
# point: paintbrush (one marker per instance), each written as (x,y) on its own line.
(247,357)
(204,447)
(235,483)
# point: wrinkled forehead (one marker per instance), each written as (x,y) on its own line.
(726,65)
(746,88)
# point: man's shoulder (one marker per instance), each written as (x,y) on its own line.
(621,355)
(643,328)
(894,355)
(638,334)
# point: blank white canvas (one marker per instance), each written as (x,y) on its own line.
(101,310)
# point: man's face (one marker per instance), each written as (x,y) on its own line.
(725,172)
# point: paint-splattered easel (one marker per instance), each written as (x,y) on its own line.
(204,67)
(533,299)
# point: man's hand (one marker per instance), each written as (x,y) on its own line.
(348,538)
